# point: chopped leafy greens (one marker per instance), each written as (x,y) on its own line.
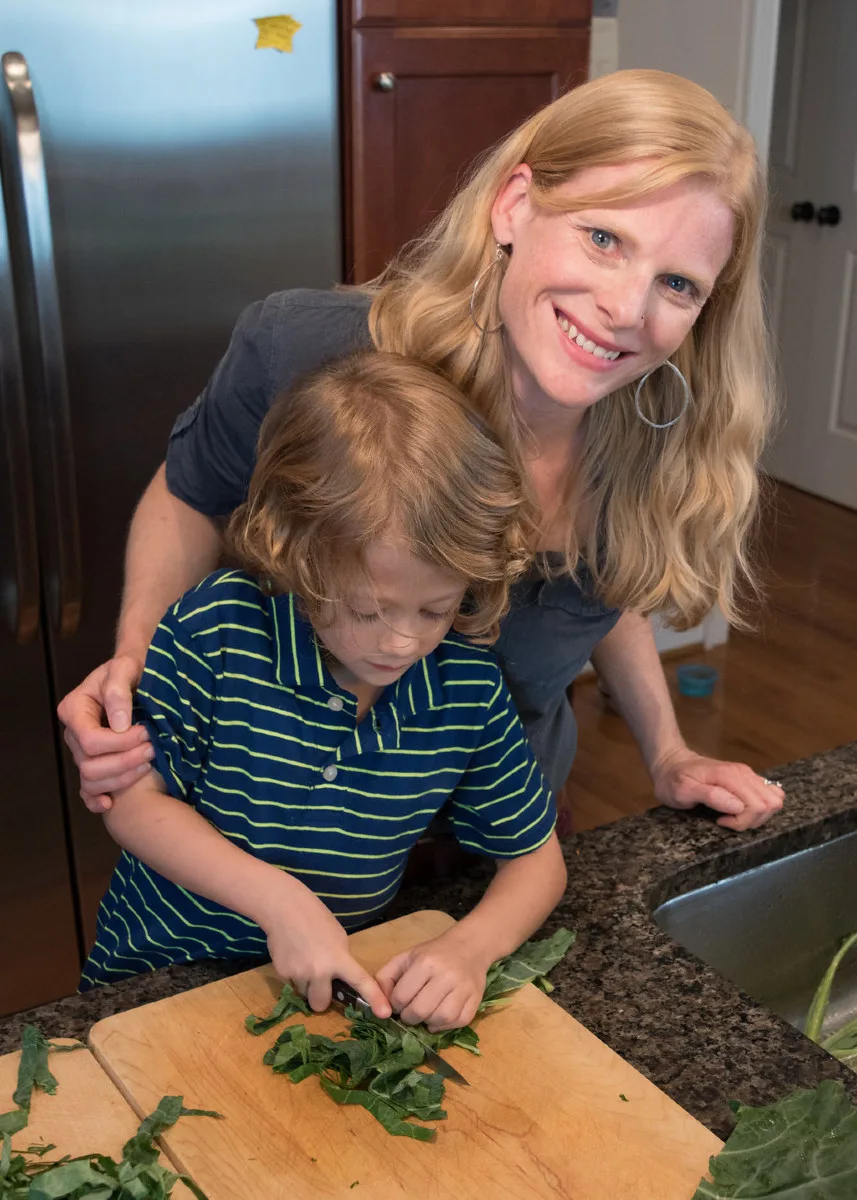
(24,1175)
(288,1004)
(33,1072)
(803,1147)
(376,1063)
(375,1068)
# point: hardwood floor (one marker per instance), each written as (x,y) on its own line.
(785,691)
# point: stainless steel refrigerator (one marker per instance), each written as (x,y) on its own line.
(159,172)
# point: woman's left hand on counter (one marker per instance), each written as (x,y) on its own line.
(683,779)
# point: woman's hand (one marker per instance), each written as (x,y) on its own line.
(439,982)
(308,946)
(683,778)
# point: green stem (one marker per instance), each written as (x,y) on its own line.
(844,1040)
(815,1017)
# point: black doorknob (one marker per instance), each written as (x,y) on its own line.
(803,210)
(828,214)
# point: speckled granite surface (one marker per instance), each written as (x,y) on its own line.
(673,1018)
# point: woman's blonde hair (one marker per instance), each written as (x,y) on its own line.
(376,446)
(668,512)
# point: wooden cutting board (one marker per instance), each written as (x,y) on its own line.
(544,1116)
(88,1114)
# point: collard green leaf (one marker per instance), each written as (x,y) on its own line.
(288,1004)
(411,1093)
(295,1048)
(380,1110)
(803,1147)
(5,1156)
(33,1070)
(14,1121)
(140,1149)
(66,1180)
(529,963)
(466,1038)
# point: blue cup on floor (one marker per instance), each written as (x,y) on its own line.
(696,679)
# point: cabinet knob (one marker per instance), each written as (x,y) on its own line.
(384,81)
(803,210)
(828,214)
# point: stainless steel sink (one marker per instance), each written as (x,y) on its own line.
(773,929)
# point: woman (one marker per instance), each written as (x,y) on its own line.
(595,289)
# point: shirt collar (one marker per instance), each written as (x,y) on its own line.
(419,688)
(299,663)
(297,657)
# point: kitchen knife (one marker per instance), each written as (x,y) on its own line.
(344,993)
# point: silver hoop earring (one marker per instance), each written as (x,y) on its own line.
(687,397)
(499,255)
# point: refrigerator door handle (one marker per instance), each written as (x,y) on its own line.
(24,607)
(31,183)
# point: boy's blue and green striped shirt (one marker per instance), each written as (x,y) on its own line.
(250,727)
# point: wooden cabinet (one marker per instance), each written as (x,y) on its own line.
(427,86)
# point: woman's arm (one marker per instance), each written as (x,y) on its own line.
(307,943)
(628,662)
(442,981)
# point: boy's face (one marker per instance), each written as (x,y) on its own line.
(395,615)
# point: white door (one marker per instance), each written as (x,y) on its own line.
(812,247)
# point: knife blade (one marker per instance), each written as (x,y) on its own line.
(344,993)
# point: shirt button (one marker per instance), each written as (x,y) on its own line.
(330,772)
(336,703)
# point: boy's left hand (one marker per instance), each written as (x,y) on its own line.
(439,983)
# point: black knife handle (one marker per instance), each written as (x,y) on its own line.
(344,993)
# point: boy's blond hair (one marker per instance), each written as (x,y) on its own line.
(378,446)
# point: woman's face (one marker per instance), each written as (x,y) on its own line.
(627,281)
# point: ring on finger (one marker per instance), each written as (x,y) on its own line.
(771,782)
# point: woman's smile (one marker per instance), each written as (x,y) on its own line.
(585,347)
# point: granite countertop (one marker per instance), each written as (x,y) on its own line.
(689,1030)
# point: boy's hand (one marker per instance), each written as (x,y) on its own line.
(308,946)
(440,982)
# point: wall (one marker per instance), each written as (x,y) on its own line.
(729,46)
(705,40)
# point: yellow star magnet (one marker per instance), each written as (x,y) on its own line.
(276,32)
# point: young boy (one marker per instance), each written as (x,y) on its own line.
(312,713)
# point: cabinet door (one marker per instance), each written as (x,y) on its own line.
(424,103)
(39,949)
